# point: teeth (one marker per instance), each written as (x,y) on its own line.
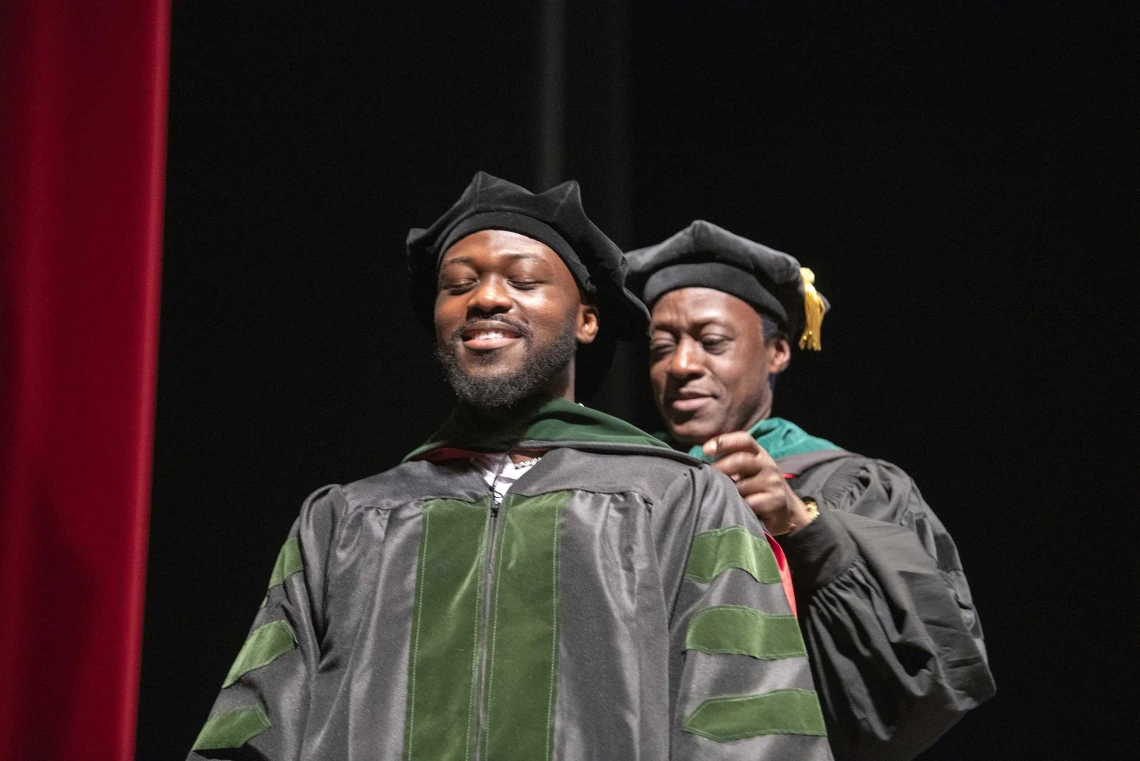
(482,335)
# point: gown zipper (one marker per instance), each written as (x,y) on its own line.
(493,539)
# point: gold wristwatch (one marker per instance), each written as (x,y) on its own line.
(812,511)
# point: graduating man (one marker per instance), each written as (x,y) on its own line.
(540,580)
(892,635)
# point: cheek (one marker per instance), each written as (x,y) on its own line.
(742,384)
(657,378)
(726,373)
(551,316)
(447,314)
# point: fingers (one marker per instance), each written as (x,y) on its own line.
(768,495)
(728,443)
(772,512)
(740,465)
(762,486)
(738,455)
(758,479)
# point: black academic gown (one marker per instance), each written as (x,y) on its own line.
(893,637)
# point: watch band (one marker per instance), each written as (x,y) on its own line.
(812,511)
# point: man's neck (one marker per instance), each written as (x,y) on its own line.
(504,415)
(763,414)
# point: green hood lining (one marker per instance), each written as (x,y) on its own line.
(779,438)
(553,423)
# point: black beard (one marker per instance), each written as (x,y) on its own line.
(538,371)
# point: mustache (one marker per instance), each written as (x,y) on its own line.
(518,327)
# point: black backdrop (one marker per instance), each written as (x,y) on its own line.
(954,177)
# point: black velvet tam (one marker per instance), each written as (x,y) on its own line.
(706,256)
(555,218)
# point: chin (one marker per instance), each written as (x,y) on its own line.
(487,368)
(692,432)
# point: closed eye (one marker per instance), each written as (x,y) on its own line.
(715,344)
(455,287)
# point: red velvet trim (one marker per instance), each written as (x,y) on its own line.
(442,454)
(785,572)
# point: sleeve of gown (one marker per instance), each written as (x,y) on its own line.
(261,709)
(895,646)
(880,490)
(743,685)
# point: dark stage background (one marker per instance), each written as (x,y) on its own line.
(953,175)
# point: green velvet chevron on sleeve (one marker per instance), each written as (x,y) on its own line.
(736,629)
(791,711)
(714,552)
(264,645)
(232,729)
(288,562)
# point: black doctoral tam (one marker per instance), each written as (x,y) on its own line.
(706,256)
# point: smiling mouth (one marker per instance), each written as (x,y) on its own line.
(489,338)
(689,402)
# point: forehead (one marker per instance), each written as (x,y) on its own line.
(688,307)
(491,247)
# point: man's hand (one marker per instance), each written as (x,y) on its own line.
(759,481)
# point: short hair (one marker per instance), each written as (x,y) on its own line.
(772,329)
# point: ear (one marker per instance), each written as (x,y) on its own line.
(587,323)
(779,355)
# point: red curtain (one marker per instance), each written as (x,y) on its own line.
(82,150)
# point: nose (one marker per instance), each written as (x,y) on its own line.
(490,296)
(686,359)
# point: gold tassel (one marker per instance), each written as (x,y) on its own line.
(814,309)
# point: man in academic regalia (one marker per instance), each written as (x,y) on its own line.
(540,580)
(892,634)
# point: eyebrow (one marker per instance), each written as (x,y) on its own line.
(701,322)
(514,256)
